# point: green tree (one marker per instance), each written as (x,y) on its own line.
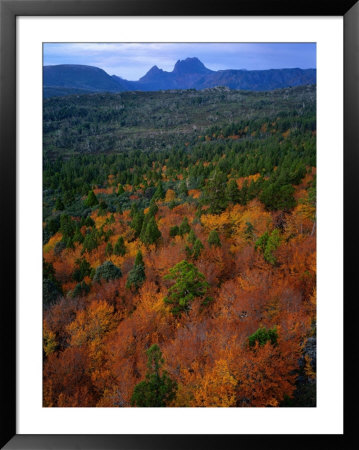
(158,390)
(82,270)
(274,196)
(213,239)
(183,189)
(59,206)
(268,243)
(159,192)
(109,249)
(137,222)
(120,248)
(189,284)
(215,192)
(120,190)
(91,199)
(184,227)
(262,336)
(191,237)
(137,275)
(90,242)
(174,231)
(153,208)
(197,248)
(107,271)
(151,234)
(233,193)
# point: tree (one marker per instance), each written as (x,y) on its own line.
(153,208)
(189,284)
(174,231)
(184,227)
(137,275)
(82,270)
(191,237)
(262,336)
(51,288)
(233,192)
(151,234)
(159,193)
(91,200)
(120,248)
(158,389)
(90,242)
(268,243)
(274,196)
(109,249)
(215,192)
(197,248)
(183,189)
(107,271)
(59,206)
(137,222)
(213,239)
(120,190)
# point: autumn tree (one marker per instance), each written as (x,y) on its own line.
(158,389)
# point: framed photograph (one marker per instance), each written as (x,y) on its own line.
(173,230)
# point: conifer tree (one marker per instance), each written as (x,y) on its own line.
(137,275)
(213,239)
(91,200)
(158,389)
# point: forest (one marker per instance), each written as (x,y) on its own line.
(179,249)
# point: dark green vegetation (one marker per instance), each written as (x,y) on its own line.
(148,121)
(189,132)
(158,389)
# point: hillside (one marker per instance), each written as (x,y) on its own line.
(158,120)
(179,249)
(186,74)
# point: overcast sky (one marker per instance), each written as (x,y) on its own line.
(132,61)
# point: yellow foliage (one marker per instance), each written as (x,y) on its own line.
(49,340)
(92,323)
(170,195)
(217,388)
(52,242)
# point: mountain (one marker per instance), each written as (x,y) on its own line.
(77,76)
(190,73)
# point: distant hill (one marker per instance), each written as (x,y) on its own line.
(190,73)
(76,76)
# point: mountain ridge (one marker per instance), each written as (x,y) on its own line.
(189,73)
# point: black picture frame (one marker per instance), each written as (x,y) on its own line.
(9,10)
